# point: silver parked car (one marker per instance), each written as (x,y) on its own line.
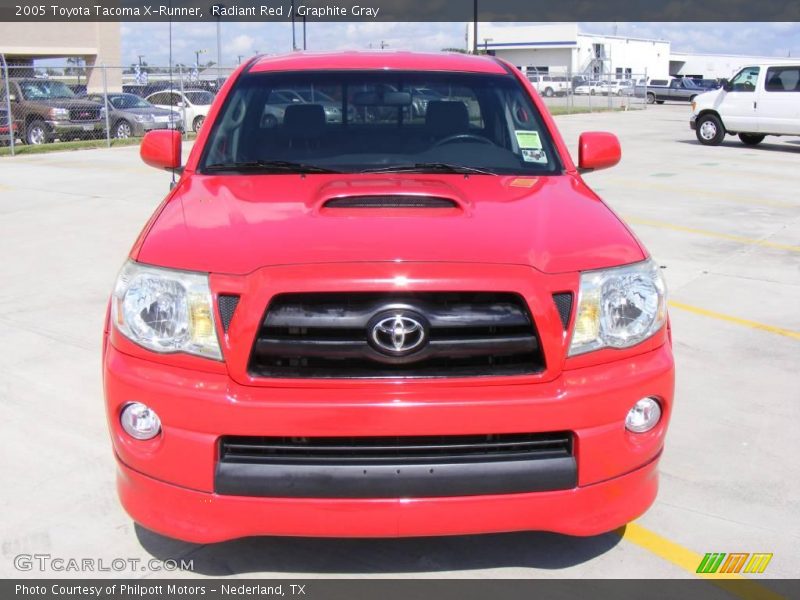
(132,116)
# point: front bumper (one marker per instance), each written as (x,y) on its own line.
(168,484)
(71,127)
(693,122)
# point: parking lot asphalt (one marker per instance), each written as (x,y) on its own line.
(724,221)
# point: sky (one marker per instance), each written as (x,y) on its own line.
(246,39)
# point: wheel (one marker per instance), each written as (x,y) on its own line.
(619,92)
(651,98)
(710,131)
(269,122)
(36,134)
(751,139)
(592,92)
(548,92)
(197,124)
(691,98)
(122,130)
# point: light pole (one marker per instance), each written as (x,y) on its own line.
(197,54)
(475,26)
(304,31)
(219,42)
(294,41)
(140,56)
(486,44)
(384,45)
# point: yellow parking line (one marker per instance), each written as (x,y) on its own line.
(713,234)
(737,320)
(733,583)
(689,192)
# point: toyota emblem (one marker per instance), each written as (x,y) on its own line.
(398,333)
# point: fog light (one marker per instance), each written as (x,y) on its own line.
(140,421)
(644,415)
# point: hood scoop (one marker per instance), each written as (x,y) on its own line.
(391,201)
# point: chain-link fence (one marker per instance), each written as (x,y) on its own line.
(63,103)
(566,92)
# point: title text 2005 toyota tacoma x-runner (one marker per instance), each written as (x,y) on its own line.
(405,322)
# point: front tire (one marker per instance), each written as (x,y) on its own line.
(548,92)
(710,131)
(751,139)
(197,124)
(36,133)
(651,98)
(122,130)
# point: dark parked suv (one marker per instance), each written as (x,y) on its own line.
(46,110)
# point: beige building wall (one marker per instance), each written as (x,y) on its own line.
(96,43)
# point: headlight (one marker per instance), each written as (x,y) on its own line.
(143,118)
(165,310)
(59,114)
(620,307)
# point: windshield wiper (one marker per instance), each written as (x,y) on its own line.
(269,166)
(438,167)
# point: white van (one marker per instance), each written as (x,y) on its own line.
(758,101)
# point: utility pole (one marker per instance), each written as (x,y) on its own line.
(486,44)
(141,56)
(304,32)
(384,45)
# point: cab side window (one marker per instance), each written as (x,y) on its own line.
(745,80)
(783,79)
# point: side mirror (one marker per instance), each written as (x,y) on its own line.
(597,150)
(161,149)
(726,85)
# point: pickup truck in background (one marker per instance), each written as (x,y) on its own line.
(680,90)
(46,110)
(550,85)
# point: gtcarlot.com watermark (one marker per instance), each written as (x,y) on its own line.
(57,564)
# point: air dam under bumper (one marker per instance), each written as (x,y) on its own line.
(206,518)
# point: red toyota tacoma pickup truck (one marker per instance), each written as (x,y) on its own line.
(415,319)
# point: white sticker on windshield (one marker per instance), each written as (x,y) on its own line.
(530,145)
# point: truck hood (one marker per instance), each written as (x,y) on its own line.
(237,224)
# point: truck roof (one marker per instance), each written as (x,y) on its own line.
(392,60)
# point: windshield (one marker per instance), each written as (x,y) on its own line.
(44,90)
(380,121)
(126,101)
(201,98)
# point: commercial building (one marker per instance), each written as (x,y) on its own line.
(717,66)
(94,44)
(562,49)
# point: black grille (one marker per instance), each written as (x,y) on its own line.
(441,449)
(84,113)
(227,306)
(468,334)
(391,202)
(564,305)
(395,467)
